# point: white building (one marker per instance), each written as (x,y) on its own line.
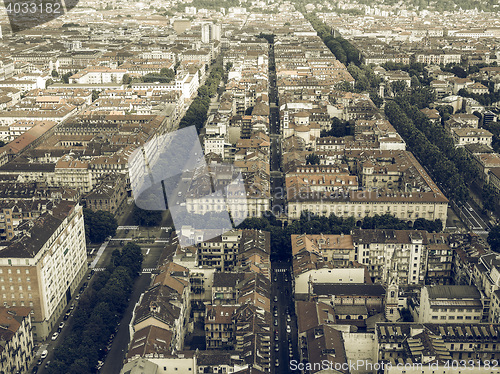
(451,304)
(98,75)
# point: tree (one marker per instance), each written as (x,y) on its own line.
(95,95)
(65,77)
(2,143)
(459,71)
(146,217)
(398,87)
(339,128)
(312,159)
(126,79)
(131,257)
(376,99)
(54,73)
(169,73)
(99,225)
(494,238)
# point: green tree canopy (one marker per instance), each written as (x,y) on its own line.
(99,225)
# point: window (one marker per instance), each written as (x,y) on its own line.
(18,271)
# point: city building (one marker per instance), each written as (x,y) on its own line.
(453,304)
(42,267)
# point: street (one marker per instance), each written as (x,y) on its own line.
(114,359)
(474,220)
(284,318)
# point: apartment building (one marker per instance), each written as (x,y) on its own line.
(108,194)
(360,204)
(166,304)
(454,304)
(466,136)
(43,267)
(392,254)
(17,348)
(219,328)
(220,253)
(432,347)
(98,75)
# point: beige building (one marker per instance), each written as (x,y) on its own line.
(42,269)
(450,304)
(360,204)
(465,136)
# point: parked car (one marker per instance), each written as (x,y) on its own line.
(61,325)
(55,335)
(44,354)
(288,330)
(100,364)
(34,370)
